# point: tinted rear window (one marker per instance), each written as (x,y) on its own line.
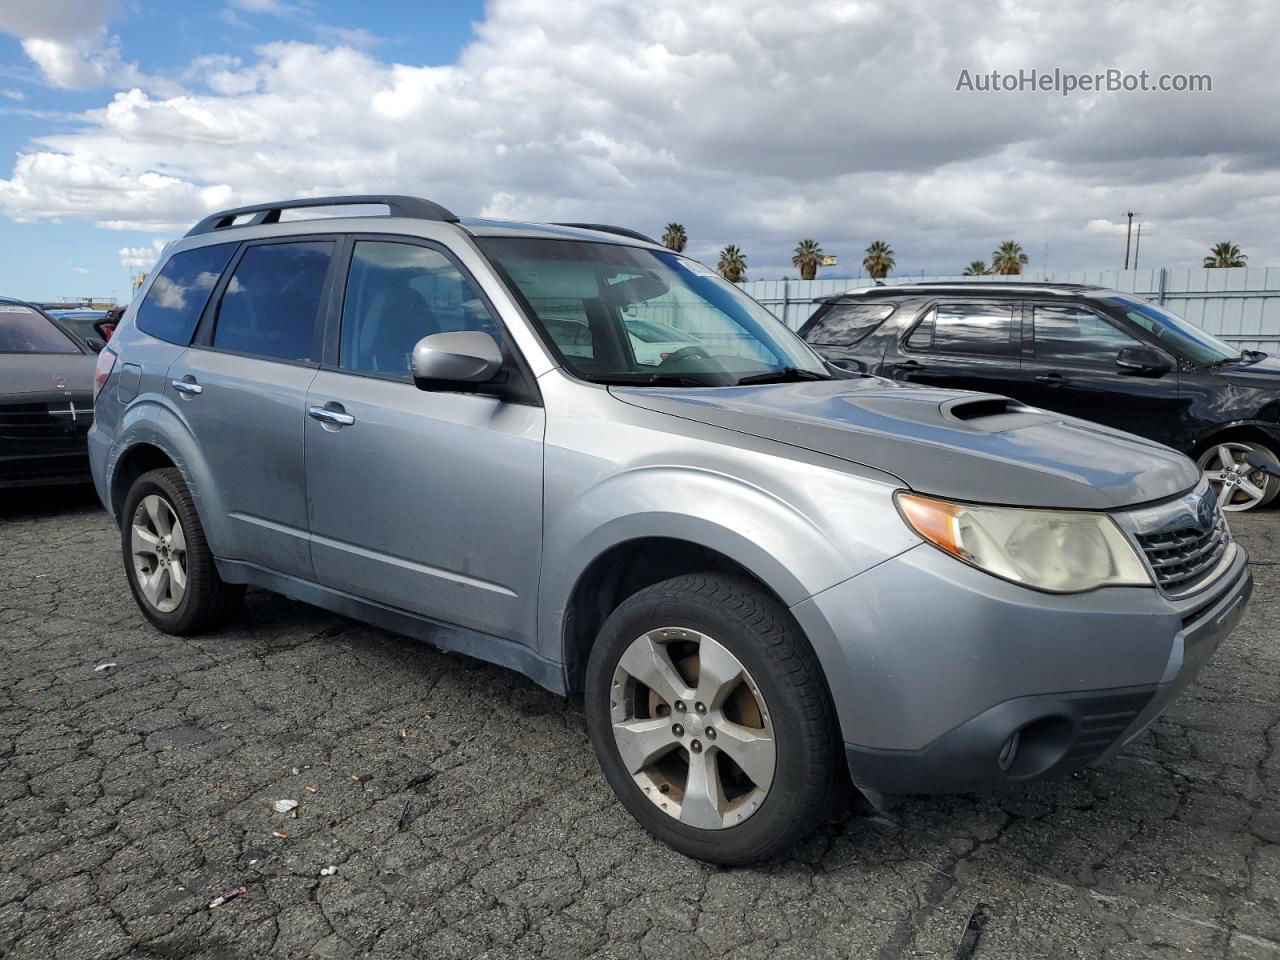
(847,323)
(23,330)
(272,302)
(966,328)
(179,292)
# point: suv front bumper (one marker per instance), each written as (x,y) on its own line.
(935,667)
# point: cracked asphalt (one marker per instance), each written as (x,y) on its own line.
(465,814)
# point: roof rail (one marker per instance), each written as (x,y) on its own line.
(414,208)
(1002,283)
(609,228)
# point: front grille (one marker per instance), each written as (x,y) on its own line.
(1183,556)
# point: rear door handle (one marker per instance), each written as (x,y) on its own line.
(187,385)
(909,365)
(1053,379)
(326,414)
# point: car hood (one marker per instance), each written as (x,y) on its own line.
(1259,373)
(950,443)
(23,373)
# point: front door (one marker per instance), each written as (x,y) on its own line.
(429,502)
(242,388)
(1071,368)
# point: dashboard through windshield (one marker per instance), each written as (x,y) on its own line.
(632,315)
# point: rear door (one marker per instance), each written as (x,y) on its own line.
(1070,367)
(962,344)
(242,388)
(427,501)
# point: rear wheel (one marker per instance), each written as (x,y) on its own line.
(1237,485)
(170,569)
(711,718)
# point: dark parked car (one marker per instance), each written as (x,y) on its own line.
(46,399)
(1094,353)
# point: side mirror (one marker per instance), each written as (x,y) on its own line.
(1142,362)
(95,344)
(460,360)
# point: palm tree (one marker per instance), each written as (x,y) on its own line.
(807,258)
(674,237)
(733,264)
(977,268)
(1225,254)
(1008,260)
(879,260)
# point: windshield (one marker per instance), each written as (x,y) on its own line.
(1180,336)
(599,305)
(23,330)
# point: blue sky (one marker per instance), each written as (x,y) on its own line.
(74,258)
(748,121)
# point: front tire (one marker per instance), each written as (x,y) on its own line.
(711,719)
(167,560)
(1237,487)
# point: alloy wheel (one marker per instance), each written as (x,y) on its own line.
(159,550)
(692,728)
(1237,485)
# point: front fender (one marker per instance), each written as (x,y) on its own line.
(812,528)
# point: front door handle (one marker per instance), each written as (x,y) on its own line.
(327,414)
(909,365)
(1053,379)
(187,385)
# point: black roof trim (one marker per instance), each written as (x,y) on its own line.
(414,208)
(609,228)
(958,286)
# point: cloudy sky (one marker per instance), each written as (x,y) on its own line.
(749,121)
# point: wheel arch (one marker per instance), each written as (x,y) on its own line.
(1258,431)
(623,569)
(140,458)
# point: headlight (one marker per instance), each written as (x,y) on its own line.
(1055,550)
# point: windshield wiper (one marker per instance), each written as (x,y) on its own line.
(657,380)
(785,375)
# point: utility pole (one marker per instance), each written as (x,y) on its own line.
(1137,245)
(1127,238)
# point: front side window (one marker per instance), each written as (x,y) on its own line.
(846,323)
(398,293)
(180,290)
(271,304)
(24,330)
(1072,335)
(631,315)
(1180,336)
(974,329)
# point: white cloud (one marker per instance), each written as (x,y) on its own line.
(17,95)
(746,121)
(142,257)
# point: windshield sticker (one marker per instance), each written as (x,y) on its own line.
(697,269)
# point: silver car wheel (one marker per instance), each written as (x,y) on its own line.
(1237,485)
(159,553)
(692,728)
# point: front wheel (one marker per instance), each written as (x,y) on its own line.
(711,719)
(1236,484)
(167,560)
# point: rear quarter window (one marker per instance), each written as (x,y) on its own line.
(179,292)
(846,323)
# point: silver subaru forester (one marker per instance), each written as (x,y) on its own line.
(572,452)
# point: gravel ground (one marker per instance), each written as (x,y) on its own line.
(465,815)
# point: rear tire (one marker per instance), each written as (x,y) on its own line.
(719,639)
(167,560)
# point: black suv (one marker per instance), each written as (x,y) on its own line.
(1094,353)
